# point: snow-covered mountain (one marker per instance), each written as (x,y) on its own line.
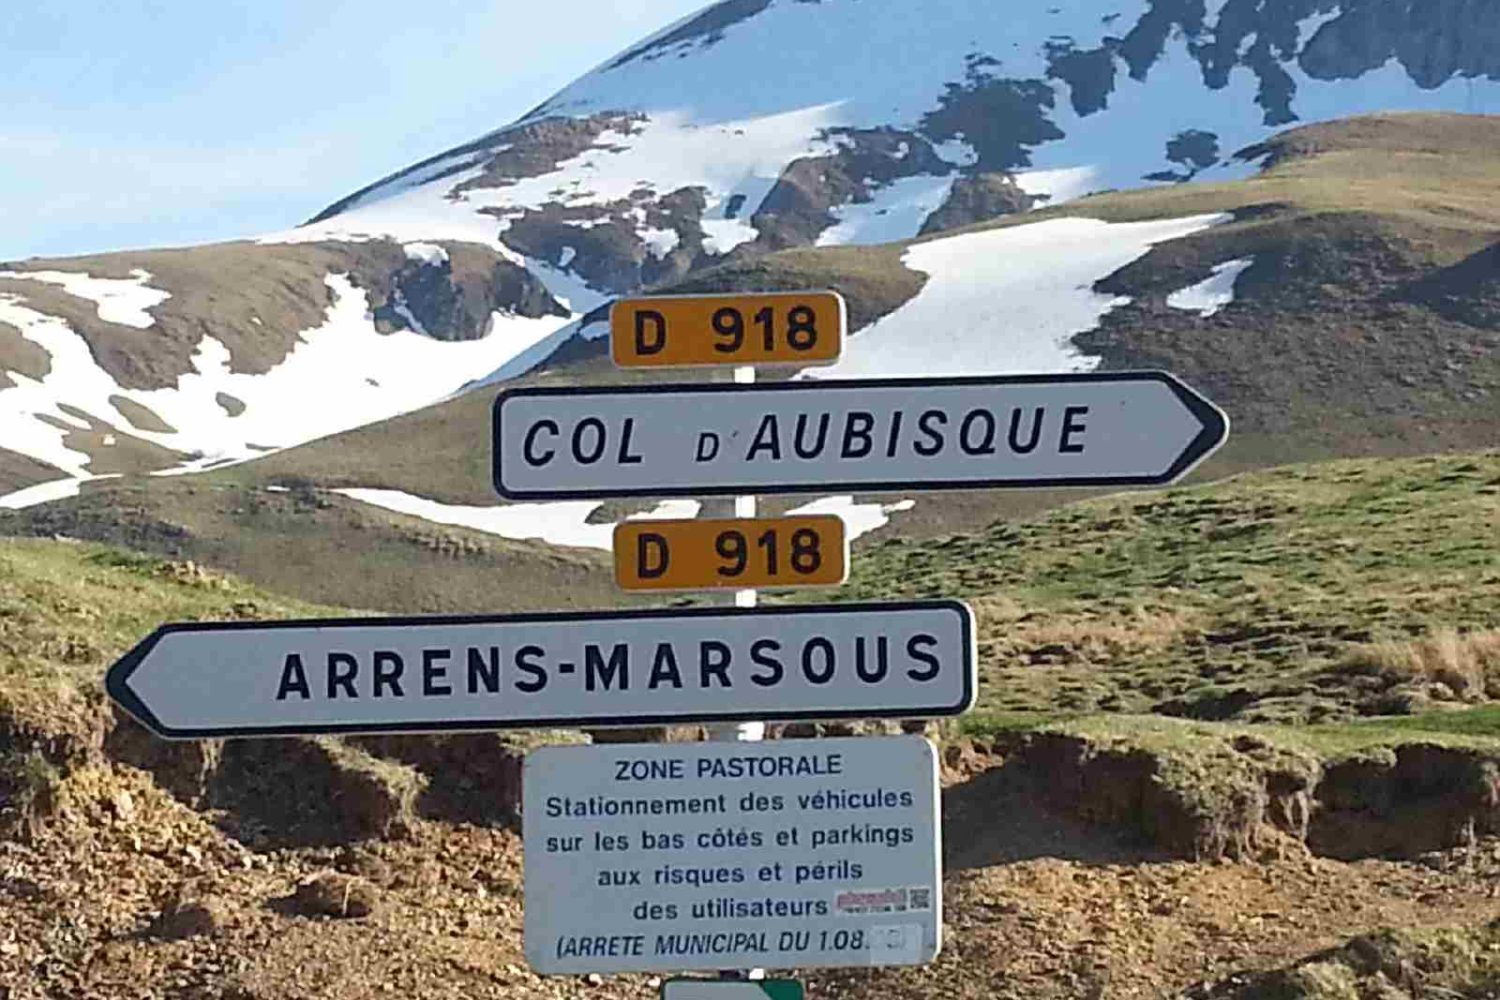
(750,127)
(755,125)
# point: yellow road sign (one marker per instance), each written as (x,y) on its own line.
(683,331)
(798,551)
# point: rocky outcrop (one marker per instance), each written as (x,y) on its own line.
(618,246)
(800,206)
(1434,40)
(1001,119)
(703,30)
(454,297)
(470,778)
(296,791)
(47,731)
(976,198)
(1239,802)
(535,148)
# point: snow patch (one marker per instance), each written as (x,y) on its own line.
(726,158)
(859,518)
(896,212)
(733,157)
(400,308)
(1213,293)
(1006,300)
(57,489)
(564,522)
(529,357)
(421,213)
(564,285)
(660,242)
(427,253)
(1062,184)
(595,330)
(117,300)
(1309,25)
(338,376)
(722,235)
(901,54)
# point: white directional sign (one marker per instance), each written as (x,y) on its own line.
(1129,428)
(787,854)
(594,669)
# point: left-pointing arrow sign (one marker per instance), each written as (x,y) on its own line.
(590,669)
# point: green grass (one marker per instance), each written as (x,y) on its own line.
(67,610)
(1477,722)
(1283,608)
(1327,743)
(1434,170)
(1258,599)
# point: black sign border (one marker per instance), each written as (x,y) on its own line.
(116,679)
(1213,433)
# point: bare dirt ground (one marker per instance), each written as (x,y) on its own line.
(127,892)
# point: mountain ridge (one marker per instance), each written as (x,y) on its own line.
(490,258)
(1332,305)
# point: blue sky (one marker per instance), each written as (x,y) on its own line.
(162,122)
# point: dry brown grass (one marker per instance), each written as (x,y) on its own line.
(1084,636)
(1468,664)
(1140,631)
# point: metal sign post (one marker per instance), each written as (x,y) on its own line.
(755,730)
(731,853)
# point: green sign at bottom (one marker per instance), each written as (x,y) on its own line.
(731,989)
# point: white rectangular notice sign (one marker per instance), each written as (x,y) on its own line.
(981,432)
(589,668)
(697,856)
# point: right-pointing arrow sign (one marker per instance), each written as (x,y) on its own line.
(1101,429)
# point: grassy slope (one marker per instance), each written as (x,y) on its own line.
(1289,595)
(1301,594)
(1266,597)
(1276,603)
(68,610)
(326,548)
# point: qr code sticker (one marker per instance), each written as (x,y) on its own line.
(919,898)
